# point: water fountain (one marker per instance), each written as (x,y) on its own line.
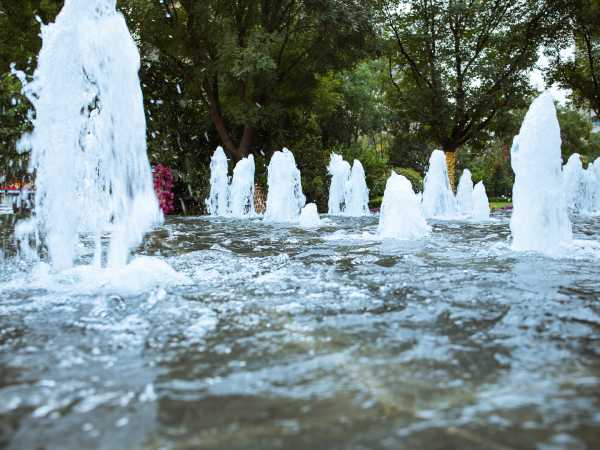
(464,193)
(401,216)
(242,188)
(579,185)
(438,199)
(356,193)
(88,147)
(340,174)
(217,203)
(285,198)
(226,333)
(481,206)
(309,217)
(595,167)
(539,219)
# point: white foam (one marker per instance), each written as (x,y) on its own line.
(401,216)
(285,198)
(242,188)
(481,206)
(340,174)
(464,193)
(309,217)
(356,193)
(539,220)
(438,199)
(218,201)
(88,147)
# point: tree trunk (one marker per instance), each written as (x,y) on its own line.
(450,151)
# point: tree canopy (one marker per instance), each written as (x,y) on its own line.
(249,62)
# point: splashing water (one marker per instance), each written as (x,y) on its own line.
(309,217)
(438,199)
(595,167)
(579,185)
(481,206)
(356,193)
(464,193)
(242,188)
(401,216)
(539,219)
(218,201)
(340,174)
(285,199)
(88,147)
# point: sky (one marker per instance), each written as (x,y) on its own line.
(538,80)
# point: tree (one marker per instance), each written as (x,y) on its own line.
(576,134)
(459,65)
(581,73)
(244,60)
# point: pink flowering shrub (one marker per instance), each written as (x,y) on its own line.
(163,185)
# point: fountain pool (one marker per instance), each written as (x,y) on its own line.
(246,334)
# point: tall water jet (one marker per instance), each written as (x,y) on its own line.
(539,219)
(88,147)
(285,198)
(356,193)
(218,202)
(242,188)
(464,193)
(340,174)
(438,199)
(401,216)
(481,206)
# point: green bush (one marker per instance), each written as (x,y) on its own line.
(413,176)
(494,169)
(375,203)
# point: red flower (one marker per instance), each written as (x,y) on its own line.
(163,185)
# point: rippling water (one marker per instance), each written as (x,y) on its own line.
(236,334)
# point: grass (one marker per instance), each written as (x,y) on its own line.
(500,204)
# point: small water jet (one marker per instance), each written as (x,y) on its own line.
(309,217)
(285,198)
(464,193)
(88,147)
(340,174)
(401,216)
(218,202)
(356,193)
(539,219)
(242,188)
(481,206)
(579,185)
(438,199)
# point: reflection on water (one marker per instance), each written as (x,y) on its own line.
(227,333)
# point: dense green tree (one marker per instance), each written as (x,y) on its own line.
(576,134)
(358,107)
(580,73)
(249,62)
(458,65)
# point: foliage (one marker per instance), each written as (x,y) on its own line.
(20,39)
(494,169)
(249,63)
(15,120)
(374,163)
(416,180)
(576,134)
(580,73)
(355,106)
(163,185)
(456,67)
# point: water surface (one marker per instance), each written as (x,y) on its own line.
(228,333)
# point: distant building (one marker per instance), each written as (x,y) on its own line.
(9,194)
(594,120)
